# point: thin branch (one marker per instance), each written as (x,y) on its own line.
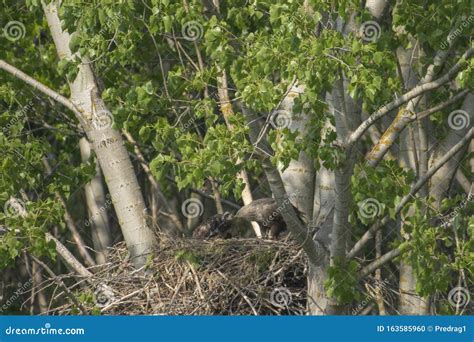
(61,284)
(415,92)
(206,195)
(463,181)
(266,124)
(379,262)
(80,244)
(44,89)
(236,288)
(69,259)
(227,111)
(404,117)
(442,105)
(314,249)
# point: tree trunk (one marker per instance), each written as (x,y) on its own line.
(109,148)
(410,302)
(298,177)
(97,208)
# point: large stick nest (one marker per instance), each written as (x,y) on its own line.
(193,277)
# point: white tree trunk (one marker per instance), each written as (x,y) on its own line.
(109,148)
(410,302)
(97,208)
(299,176)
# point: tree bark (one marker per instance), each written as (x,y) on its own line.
(97,208)
(110,150)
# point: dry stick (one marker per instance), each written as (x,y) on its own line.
(69,259)
(396,252)
(367,309)
(244,296)
(198,285)
(121,300)
(415,92)
(60,284)
(70,223)
(227,112)
(178,286)
(417,186)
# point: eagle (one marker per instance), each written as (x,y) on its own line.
(264,211)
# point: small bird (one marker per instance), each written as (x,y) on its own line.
(264,211)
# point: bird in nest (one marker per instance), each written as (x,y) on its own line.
(264,211)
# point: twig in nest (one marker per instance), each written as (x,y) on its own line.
(244,296)
(61,284)
(121,299)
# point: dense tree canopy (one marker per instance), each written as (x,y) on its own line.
(359,113)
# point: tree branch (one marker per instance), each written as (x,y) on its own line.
(61,284)
(415,92)
(369,234)
(379,262)
(42,88)
(314,249)
(428,112)
(81,245)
